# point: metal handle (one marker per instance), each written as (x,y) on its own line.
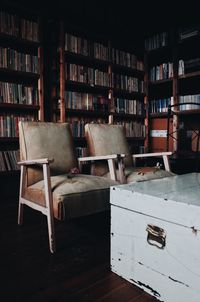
(156,236)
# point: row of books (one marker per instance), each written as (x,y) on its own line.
(14,60)
(91,76)
(87,75)
(9,124)
(160,105)
(18,94)
(133,128)
(86,101)
(129,106)
(126,59)
(161,39)
(85,47)
(187,33)
(188,66)
(156,41)
(18,27)
(127,83)
(80,45)
(81,151)
(195,98)
(9,160)
(161,72)
(77,124)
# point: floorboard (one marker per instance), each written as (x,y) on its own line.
(79,271)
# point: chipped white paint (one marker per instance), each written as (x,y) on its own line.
(155,239)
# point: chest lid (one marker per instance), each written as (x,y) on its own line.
(174,199)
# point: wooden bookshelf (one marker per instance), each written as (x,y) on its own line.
(96,82)
(21,78)
(179,47)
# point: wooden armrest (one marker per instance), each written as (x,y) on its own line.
(152,154)
(111,164)
(163,154)
(39,161)
(101,157)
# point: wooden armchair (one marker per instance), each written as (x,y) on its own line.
(50,179)
(104,139)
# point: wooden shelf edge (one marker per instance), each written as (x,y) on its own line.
(19,106)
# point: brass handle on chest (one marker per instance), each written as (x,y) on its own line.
(156,236)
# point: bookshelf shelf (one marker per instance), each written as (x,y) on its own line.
(159,50)
(25,76)
(21,78)
(126,93)
(18,107)
(158,115)
(85,59)
(90,113)
(18,42)
(189,75)
(127,116)
(189,40)
(127,70)
(9,140)
(161,82)
(188,112)
(79,85)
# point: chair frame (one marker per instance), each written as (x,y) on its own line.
(164,155)
(47,210)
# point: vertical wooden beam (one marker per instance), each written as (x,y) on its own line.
(146,104)
(41,73)
(62,72)
(175,91)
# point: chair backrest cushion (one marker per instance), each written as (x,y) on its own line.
(47,140)
(106,139)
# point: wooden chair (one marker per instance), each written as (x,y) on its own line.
(104,139)
(50,179)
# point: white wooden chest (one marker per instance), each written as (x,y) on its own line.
(155,236)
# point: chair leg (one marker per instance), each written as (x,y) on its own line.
(20,213)
(22,186)
(51,233)
(49,207)
(166,163)
(122,177)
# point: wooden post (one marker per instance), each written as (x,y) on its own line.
(62,72)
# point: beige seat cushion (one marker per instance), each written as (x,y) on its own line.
(143,173)
(74,194)
(146,173)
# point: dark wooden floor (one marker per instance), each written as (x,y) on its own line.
(79,271)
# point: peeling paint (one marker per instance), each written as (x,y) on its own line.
(164,274)
(194,230)
(178,281)
(154,292)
